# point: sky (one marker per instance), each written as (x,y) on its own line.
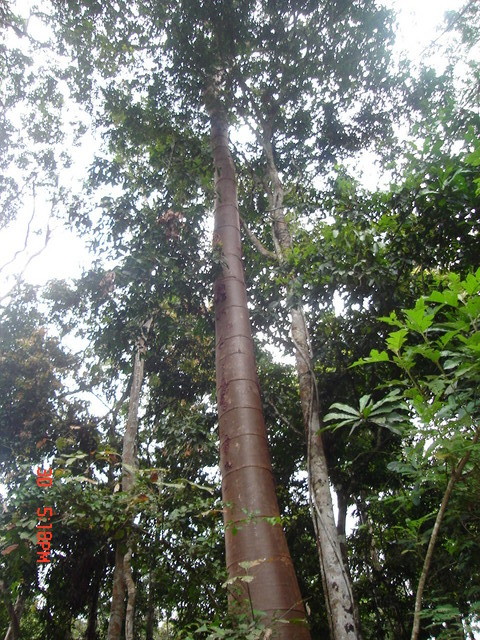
(418,22)
(66,255)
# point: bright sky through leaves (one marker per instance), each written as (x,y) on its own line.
(419,25)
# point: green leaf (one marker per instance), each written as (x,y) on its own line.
(63,443)
(341,416)
(448,336)
(444,297)
(419,319)
(344,423)
(391,320)
(364,401)
(375,356)
(473,159)
(396,340)
(345,408)
(428,352)
(386,425)
(472,283)
(72,459)
(246,578)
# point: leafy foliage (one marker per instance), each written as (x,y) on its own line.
(435,347)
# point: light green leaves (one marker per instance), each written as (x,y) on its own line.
(420,318)
(448,314)
(435,345)
(396,340)
(375,356)
(444,297)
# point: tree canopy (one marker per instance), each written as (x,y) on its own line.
(225,193)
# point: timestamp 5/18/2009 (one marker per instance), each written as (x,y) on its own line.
(44,514)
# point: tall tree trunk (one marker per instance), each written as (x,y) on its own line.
(340,602)
(248,487)
(123,584)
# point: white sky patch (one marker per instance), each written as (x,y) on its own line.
(420,23)
(64,254)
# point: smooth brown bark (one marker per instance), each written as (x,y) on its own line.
(339,598)
(248,486)
(123,584)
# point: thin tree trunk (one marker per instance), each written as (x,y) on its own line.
(367,523)
(248,487)
(132,594)
(340,602)
(123,584)
(129,451)
(117,606)
(91,632)
(150,622)
(454,478)
(15,613)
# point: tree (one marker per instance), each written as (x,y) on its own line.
(220,30)
(122,576)
(39,421)
(192,64)
(258,545)
(284,81)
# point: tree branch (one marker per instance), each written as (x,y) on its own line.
(48,235)
(282,418)
(256,242)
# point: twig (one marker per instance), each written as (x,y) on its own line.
(27,235)
(32,257)
(450,25)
